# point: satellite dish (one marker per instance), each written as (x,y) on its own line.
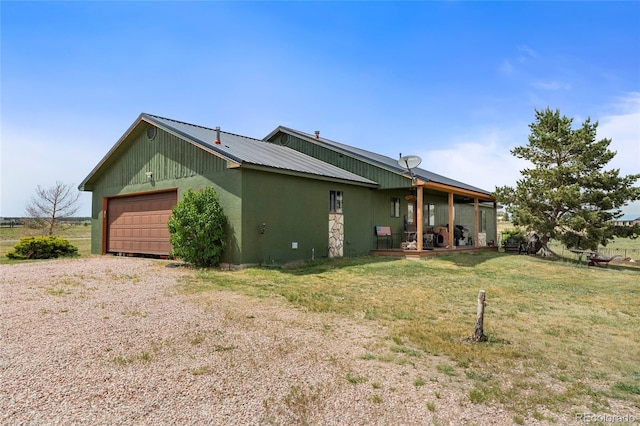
(410,161)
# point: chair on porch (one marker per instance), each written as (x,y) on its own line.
(429,241)
(384,233)
(411,233)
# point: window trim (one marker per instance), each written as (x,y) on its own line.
(336,201)
(395,207)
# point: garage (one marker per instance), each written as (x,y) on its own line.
(137,224)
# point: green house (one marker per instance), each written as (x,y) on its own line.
(288,197)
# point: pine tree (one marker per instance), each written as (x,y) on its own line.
(568,194)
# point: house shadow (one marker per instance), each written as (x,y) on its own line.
(471,259)
(301,268)
(318,266)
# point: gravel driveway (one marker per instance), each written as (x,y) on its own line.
(110,340)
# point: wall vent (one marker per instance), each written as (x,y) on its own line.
(151,132)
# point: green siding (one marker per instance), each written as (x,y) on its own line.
(384,178)
(381,215)
(296,210)
(166,155)
(174,164)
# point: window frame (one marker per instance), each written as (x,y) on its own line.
(336,201)
(395,207)
(429,214)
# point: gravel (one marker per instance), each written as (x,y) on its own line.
(111,340)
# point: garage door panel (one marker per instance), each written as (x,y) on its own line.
(138,224)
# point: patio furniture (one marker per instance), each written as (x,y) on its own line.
(383,233)
(514,245)
(599,260)
(581,253)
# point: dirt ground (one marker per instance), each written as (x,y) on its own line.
(111,340)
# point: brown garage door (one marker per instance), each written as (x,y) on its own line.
(138,224)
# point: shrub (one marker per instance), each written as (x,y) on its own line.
(42,248)
(197,228)
(516,234)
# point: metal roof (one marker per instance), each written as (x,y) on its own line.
(255,152)
(380,160)
(244,150)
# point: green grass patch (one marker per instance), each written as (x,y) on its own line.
(376,399)
(368,357)
(559,335)
(353,379)
(447,369)
(58,291)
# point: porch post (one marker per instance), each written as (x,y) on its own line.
(451,222)
(475,222)
(419,217)
(495,223)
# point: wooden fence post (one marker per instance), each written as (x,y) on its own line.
(478,331)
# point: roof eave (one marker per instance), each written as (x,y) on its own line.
(233,161)
(202,144)
(288,172)
(459,191)
(83,184)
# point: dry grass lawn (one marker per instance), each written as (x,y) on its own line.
(564,339)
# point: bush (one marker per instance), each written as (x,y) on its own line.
(197,228)
(42,248)
(515,234)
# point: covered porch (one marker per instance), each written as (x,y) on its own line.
(440,218)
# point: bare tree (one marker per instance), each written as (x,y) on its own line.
(48,206)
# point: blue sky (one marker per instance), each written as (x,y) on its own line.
(456,83)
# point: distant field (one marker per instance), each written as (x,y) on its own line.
(78,235)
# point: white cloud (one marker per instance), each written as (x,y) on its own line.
(622,126)
(484,161)
(483,158)
(551,85)
(506,67)
(528,53)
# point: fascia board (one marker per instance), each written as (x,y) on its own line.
(231,161)
(306,175)
(113,149)
(458,191)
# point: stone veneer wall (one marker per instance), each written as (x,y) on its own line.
(336,235)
